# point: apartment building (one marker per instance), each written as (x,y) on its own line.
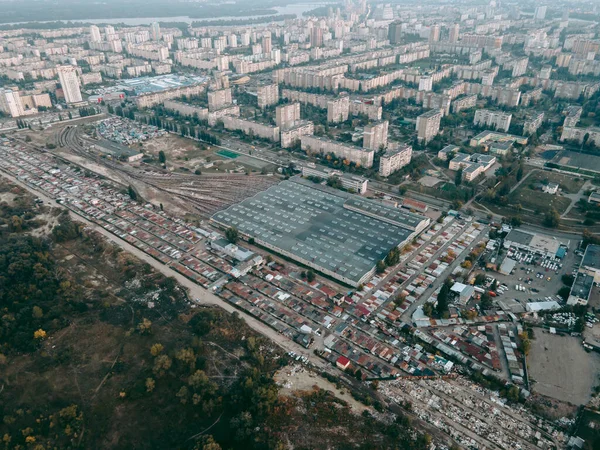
(150,50)
(572,116)
(338,109)
(376,135)
(251,127)
(428,125)
(287,115)
(494,119)
(396,157)
(267,95)
(467,102)
(358,155)
(579,134)
(69,81)
(294,133)
(154,98)
(219,98)
(10,103)
(532,123)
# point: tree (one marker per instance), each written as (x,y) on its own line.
(380,267)
(519,175)
(568,280)
(132,193)
(310,276)
(442,299)
(156,349)
(552,219)
(232,235)
(150,384)
(564,292)
(37,312)
(162,158)
(480,279)
(515,221)
(393,257)
(144,326)
(162,363)
(458,177)
(39,334)
(486,301)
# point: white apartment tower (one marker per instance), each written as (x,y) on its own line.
(155,31)
(454,31)
(10,103)
(266,44)
(434,33)
(70,84)
(220,98)
(95,35)
(287,115)
(376,136)
(428,125)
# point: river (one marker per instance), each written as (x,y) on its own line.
(298,9)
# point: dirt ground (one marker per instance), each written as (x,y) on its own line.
(186,153)
(561,368)
(296,378)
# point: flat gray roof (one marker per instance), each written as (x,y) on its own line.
(591,258)
(313,224)
(582,286)
(520,237)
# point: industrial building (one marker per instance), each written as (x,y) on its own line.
(336,233)
(532,242)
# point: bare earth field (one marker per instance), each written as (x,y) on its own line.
(561,368)
(295,378)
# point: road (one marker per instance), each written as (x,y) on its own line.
(438,282)
(199,294)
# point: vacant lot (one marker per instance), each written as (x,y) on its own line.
(561,368)
(536,200)
(570,184)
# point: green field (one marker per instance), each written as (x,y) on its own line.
(568,183)
(538,200)
(227,154)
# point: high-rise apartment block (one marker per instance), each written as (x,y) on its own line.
(219,99)
(540,13)
(267,95)
(338,109)
(155,31)
(376,135)
(10,103)
(428,125)
(266,44)
(287,115)
(70,84)
(316,37)
(95,35)
(497,120)
(454,31)
(434,33)
(395,32)
(395,158)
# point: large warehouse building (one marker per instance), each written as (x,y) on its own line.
(336,233)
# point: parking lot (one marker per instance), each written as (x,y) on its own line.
(535,278)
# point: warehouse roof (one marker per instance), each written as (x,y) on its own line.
(313,224)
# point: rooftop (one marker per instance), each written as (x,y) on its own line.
(591,258)
(314,225)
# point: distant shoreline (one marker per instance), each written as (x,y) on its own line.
(297,8)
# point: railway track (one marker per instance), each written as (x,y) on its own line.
(206,194)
